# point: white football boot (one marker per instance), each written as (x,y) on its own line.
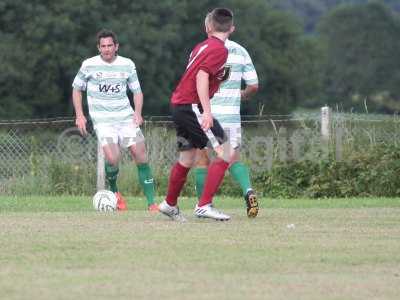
(208,211)
(171,211)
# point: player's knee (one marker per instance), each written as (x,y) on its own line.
(113,161)
(225,152)
(187,163)
(140,158)
(202,160)
(138,153)
(187,158)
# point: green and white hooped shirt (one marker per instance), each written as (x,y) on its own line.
(106,87)
(225,105)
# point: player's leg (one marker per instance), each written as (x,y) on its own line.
(111,165)
(215,172)
(145,176)
(185,124)
(108,138)
(112,170)
(200,171)
(176,181)
(178,175)
(132,137)
(239,171)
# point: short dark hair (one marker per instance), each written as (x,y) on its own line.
(105,33)
(222,19)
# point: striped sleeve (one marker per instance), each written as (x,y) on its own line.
(133,80)
(81,79)
(249,71)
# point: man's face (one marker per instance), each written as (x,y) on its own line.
(107,48)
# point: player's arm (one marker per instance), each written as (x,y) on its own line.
(134,87)
(138,102)
(249,75)
(212,64)
(202,86)
(80,120)
(248,92)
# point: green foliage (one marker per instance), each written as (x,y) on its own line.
(354,58)
(71,179)
(277,43)
(310,11)
(284,179)
(368,172)
(362,43)
(44,43)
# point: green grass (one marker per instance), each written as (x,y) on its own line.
(59,248)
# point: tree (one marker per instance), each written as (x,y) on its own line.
(362,46)
(45,42)
(282,56)
(310,11)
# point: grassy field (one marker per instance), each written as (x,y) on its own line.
(59,248)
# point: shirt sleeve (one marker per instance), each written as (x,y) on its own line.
(81,79)
(214,61)
(249,71)
(133,80)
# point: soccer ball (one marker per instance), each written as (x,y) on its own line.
(105,201)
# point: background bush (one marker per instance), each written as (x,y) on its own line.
(287,158)
(372,171)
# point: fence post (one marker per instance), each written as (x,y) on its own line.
(338,143)
(283,144)
(100,167)
(326,123)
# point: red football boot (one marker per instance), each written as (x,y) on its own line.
(153,208)
(121,202)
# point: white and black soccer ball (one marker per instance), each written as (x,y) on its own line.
(105,200)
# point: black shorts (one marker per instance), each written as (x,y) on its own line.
(189,132)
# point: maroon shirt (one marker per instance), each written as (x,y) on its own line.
(209,56)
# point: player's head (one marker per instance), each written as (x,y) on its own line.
(219,20)
(107,43)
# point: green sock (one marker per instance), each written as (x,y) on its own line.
(240,174)
(200,175)
(111,175)
(146,181)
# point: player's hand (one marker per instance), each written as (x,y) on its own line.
(138,119)
(243,95)
(80,122)
(207,122)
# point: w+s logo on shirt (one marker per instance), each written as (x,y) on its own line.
(106,88)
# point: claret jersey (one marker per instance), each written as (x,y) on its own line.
(209,56)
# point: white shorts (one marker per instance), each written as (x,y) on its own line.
(125,134)
(234,133)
